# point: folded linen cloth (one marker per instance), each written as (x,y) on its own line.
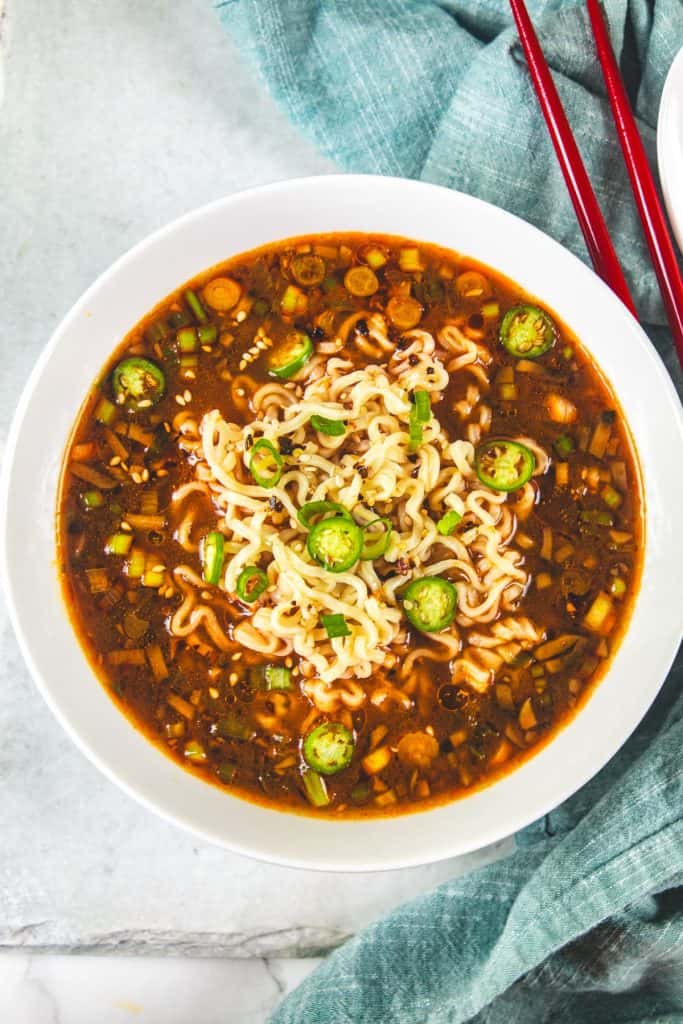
(584,922)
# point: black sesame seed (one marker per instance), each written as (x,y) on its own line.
(415,472)
(248,442)
(285,446)
(275,504)
(413,458)
(413,360)
(362,326)
(402,343)
(317,333)
(430,371)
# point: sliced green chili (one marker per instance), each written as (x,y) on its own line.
(291,355)
(332,428)
(527,331)
(212,554)
(430,603)
(196,306)
(335,625)
(316,790)
(335,543)
(504,465)
(230,727)
(448,522)
(265,463)
(376,537)
(138,383)
(318,509)
(251,583)
(328,749)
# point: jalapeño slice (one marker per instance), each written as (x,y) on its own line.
(265,463)
(335,543)
(527,331)
(291,355)
(138,383)
(504,465)
(328,749)
(430,603)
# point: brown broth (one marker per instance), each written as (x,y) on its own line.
(479,736)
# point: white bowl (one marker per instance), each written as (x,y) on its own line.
(670,145)
(74,357)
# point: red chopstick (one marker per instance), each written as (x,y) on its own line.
(644,190)
(588,212)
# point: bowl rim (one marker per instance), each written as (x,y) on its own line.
(332,861)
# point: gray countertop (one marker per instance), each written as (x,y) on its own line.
(116,118)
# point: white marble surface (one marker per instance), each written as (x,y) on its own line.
(120,990)
(116,118)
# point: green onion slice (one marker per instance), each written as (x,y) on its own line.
(335,625)
(504,465)
(415,432)
(265,463)
(316,790)
(328,749)
(332,428)
(423,407)
(196,306)
(430,603)
(212,554)
(335,543)
(315,510)
(376,537)
(251,583)
(448,522)
(278,677)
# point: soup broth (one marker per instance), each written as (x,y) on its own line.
(349,525)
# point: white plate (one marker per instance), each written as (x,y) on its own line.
(670,146)
(74,357)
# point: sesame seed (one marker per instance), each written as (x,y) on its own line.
(159,568)
(206,348)
(187,395)
(241,316)
(167,427)
(145,403)
(237,656)
(180,400)
(115,461)
(233,678)
(240,391)
(126,526)
(206,595)
(145,474)
(213,693)
(190,375)
(162,472)
(136,478)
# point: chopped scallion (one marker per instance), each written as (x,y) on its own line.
(335,626)
(448,522)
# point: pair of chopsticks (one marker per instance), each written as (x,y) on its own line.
(583,197)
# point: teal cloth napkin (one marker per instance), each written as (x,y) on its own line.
(584,922)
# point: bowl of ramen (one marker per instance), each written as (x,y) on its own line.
(348,498)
